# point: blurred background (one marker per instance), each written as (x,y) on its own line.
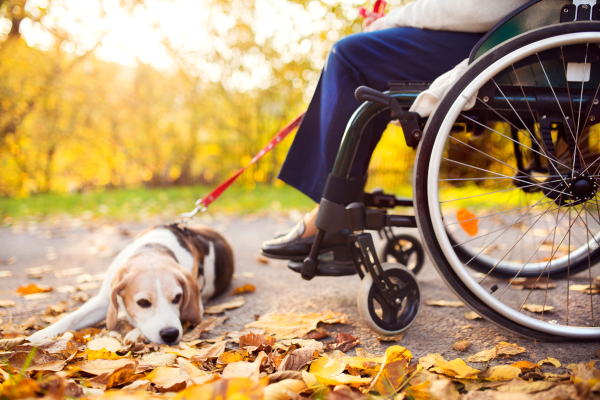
(119,107)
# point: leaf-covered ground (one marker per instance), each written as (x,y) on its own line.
(278,356)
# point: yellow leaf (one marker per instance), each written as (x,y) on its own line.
(500,373)
(101,366)
(456,368)
(232,356)
(393,372)
(467,220)
(247,288)
(330,372)
(279,390)
(244,369)
(220,308)
(290,326)
(225,389)
(537,308)
(184,350)
(103,355)
(550,360)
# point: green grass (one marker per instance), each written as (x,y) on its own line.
(141,203)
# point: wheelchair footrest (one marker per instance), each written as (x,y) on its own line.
(327,268)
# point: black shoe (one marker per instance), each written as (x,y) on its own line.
(294,247)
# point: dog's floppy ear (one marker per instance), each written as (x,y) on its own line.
(190,306)
(118,284)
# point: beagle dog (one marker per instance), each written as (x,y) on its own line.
(158,280)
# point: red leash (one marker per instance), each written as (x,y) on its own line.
(378,8)
(202,204)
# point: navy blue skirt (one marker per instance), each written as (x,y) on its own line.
(370,59)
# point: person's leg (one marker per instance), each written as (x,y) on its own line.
(370,59)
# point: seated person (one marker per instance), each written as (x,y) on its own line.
(418,42)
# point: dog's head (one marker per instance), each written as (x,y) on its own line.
(157,294)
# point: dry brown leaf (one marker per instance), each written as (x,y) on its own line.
(317,334)
(99,367)
(221,308)
(80,297)
(471,315)
(40,362)
(344,342)
(393,338)
(461,345)
(247,288)
(502,349)
(297,359)
(537,308)
(445,303)
(57,309)
(290,326)
(207,353)
(32,288)
(255,342)
(206,325)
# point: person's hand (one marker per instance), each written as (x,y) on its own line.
(369,19)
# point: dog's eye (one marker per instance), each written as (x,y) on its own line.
(144,303)
(176,299)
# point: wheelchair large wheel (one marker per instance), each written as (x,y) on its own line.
(508,189)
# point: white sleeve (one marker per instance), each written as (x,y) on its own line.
(449,15)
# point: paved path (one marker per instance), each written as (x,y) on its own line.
(92,247)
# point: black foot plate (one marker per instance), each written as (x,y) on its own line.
(326,268)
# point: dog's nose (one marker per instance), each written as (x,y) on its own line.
(169,335)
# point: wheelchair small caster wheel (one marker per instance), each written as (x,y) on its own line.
(406,250)
(378,314)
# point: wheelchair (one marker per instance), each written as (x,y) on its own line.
(505,184)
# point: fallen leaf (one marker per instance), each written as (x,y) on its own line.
(221,308)
(88,286)
(280,390)
(102,355)
(40,362)
(500,373)
(456,368)
(213,351)
(524,366)
(244,369)
(183,351)
(550,360)
(248,274)
(261,259)
(256,342)
(289,326)
(232,356)
(461,345)
(317,334)
(537,308)
(10,343)
(531,283)
(99,366)
(206,325)
(225,389)
(471,315)
(141,385)
(65,289)
(394,338)
(297,359)
(106,343)
(344,341)
(502,349)
(526,387)
(37,296)
(247,288)
(32,288)
(80,297)
(467,221)
(393,372)
(7,303)
(159,359)
(35,271)
(167,379)
(69,272)
(5,274)
(445,303)
(330,372)
(57,309)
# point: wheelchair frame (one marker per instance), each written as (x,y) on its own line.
(345,206)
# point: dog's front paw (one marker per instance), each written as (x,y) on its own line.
(47,333)
(134,336)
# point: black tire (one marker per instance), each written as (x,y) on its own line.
(486,304)
(406,250)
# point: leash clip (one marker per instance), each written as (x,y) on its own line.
(185,217)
